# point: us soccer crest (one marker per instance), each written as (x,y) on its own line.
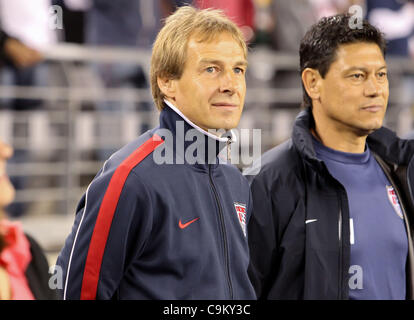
(241,215)
(392,196)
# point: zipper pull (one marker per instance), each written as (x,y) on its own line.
(229,141)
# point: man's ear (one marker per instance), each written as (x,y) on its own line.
(167,87)
(311,80)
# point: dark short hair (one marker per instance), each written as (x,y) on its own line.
(318,46)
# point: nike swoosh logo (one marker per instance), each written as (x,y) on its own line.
(185,225)
(310,220)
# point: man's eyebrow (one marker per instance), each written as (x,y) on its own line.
(363,69)
(218,62)
(242,63)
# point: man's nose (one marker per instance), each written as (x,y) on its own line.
(227,82)
(372,87)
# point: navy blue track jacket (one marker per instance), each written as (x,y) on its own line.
(160,231)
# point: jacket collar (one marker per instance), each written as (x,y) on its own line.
(302,138)
(189,141)
(383,142)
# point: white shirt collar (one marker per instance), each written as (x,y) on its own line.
(225,139)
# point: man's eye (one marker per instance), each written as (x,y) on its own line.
(382,74)
(357,76)
(239,70)
(210,69)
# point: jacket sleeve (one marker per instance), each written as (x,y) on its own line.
(274,203)
(111,226)
(261,237)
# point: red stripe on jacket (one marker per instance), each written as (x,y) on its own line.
(106,214)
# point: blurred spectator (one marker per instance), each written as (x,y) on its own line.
(396,20)
(17,52)
(240,11)
(281,26)
(28,21)
(122,23)
(292,19)
(132,23)
(73,12)
(23,266)
(169,6)
(263,22)
(26,32)
(326,8)
(19,59)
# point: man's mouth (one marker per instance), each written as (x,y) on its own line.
(373,108)
(224,105)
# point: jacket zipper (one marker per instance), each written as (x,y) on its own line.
(223,233)
(228,145)
(340,254)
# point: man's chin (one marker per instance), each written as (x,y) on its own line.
(224,125)
(226,128)
(365,131)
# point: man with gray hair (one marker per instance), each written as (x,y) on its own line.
(163,219)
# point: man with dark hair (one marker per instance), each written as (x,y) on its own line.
(333,205)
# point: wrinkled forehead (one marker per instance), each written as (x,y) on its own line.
(200,36)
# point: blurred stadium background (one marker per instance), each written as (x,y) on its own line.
(77,89)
